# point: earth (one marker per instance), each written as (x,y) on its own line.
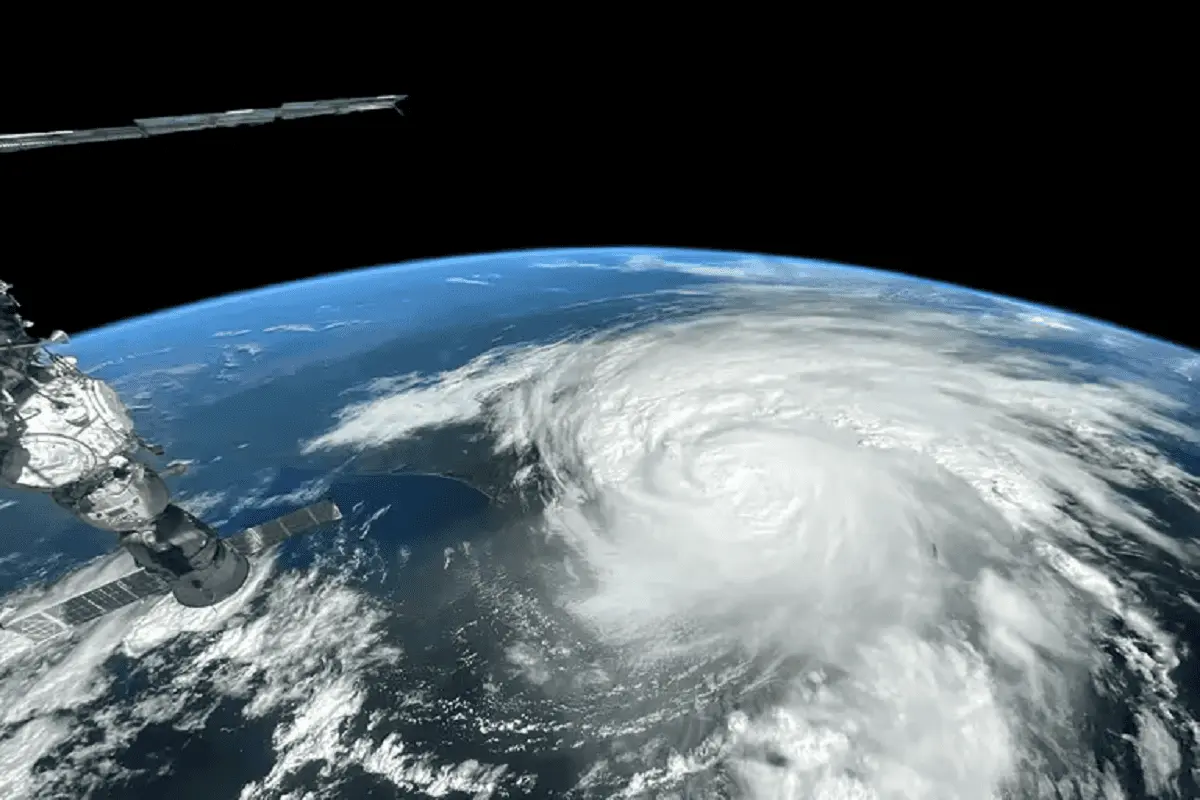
(620,524)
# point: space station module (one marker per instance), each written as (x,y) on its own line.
(69,435)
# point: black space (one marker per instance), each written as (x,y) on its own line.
(1035,197)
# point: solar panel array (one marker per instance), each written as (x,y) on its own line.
(258,538)
(87,606)
(37,626)
(53,620)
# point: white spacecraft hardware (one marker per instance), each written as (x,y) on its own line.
(69,435)
(154,126)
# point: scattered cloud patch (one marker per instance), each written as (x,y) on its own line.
(303,495)
(571,264)
(203,504)
(737,269)
(112,362)
(224,334)
(305,327)
(181,369)
(258,498)
(743,269)
(1048,322)
(292,327)
(250,348)
(474,281)
(65,734)
(184,369)
(1189,368)
(160,351)
(343,323)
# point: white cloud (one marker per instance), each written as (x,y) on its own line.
(304,658)
(182,369)
(257,498)
(249,348)
(569,264)
(1187,367)
(1048,322)
(470,281)
(754,268)
(776,478)
(294,327)
(203,504)
(344,323)
(305,494)
(305,327)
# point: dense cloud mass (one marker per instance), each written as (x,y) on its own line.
(915,521)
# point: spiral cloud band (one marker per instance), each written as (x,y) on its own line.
(922,525)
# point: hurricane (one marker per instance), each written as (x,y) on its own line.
(851,548)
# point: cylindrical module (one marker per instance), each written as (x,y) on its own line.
(200,568)
(64,429)
(128,497)
(67,434)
